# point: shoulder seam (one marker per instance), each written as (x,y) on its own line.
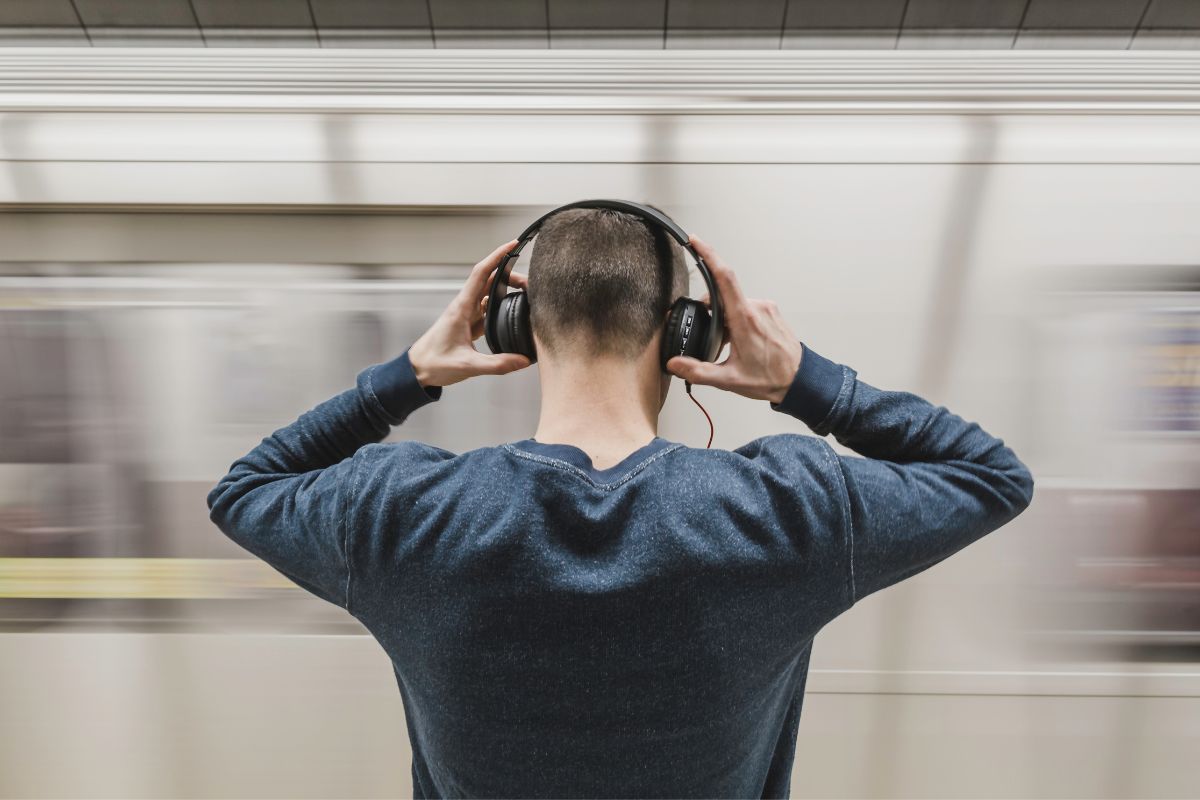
(831,457)
(355,488)
(579,473)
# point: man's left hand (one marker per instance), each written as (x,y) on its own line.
(444,354)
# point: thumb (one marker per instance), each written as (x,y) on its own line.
(500,363)
(693,369)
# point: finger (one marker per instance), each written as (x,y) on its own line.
(517,280)
(732,298)
(480,299)
(478,280)
(498,364)
(695,370)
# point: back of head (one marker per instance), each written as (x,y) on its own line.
(601,282)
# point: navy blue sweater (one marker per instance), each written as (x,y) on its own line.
(638,631)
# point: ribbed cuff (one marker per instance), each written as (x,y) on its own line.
(395,385)
(814,390)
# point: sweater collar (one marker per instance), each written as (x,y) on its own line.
(579,458)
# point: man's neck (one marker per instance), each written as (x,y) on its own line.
(606,407)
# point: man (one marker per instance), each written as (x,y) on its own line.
(597,610)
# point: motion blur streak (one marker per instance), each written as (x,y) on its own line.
(199,246)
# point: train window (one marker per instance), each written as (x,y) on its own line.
(1121,411)
(35,419)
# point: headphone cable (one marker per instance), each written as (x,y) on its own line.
(687,385)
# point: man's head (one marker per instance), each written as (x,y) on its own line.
(601,283)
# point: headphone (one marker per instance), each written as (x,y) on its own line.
(692,330)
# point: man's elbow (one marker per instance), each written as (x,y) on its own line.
(221,500)
(219,491)
(1022,481)
(214,494)
(235,484)
(1010,484)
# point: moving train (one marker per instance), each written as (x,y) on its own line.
(198,246)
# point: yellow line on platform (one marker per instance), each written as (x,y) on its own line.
(146,578)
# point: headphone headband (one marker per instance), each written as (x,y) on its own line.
(637,209)
(712,344)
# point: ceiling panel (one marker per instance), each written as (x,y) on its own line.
(598,38)
(48,13)
(732,39)
(488,14)
(1167,39)
(607,14)
(33,36)
(956,39)
(136,13)
(365,14)
(1084,14)
(630,24)
(840,39)
(861,14)
(253,13)
(973,14)
(507,39)
(261,37)
(1172,14)
(724,16)
(1083,39)
(419,38)
(108,36)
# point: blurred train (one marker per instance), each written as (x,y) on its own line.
(198,247)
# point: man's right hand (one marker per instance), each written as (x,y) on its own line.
(764,354)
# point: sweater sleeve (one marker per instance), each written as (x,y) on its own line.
(286,500)
(927,484)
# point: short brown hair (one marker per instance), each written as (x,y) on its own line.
(601,282)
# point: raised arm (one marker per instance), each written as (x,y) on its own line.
(285,501)
(929,483)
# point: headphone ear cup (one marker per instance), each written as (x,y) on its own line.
(686,332)
(696,346)
(512,326)
(671,334)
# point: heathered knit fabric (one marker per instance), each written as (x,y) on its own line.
(637,631)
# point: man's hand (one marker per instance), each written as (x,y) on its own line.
(444,354)
(764,354)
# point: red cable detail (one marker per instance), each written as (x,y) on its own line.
(688,386)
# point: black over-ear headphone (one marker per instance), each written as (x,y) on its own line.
(692,330)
